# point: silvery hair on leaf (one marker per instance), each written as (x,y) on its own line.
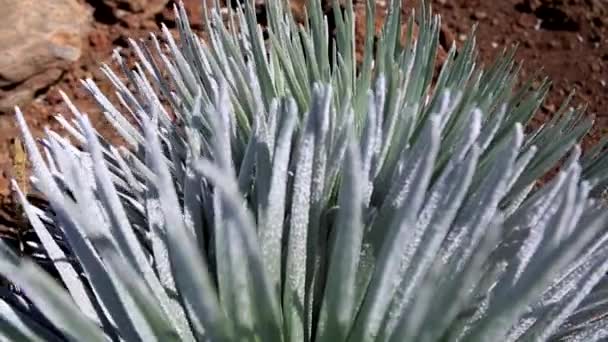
(276,189)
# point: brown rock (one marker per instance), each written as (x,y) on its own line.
(24,93)
(131,5)
(194,10)
(526,21)
(150,7)
(39,39)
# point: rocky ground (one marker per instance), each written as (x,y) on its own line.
(49,46)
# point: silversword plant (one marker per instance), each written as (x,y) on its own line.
(272,189)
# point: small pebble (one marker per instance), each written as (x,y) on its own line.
(526,21)
(554,43)
(480,15)
(549,107)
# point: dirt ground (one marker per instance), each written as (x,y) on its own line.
(567,39)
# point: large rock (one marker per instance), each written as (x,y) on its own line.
(38,40)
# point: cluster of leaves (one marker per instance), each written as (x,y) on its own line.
(277,191)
